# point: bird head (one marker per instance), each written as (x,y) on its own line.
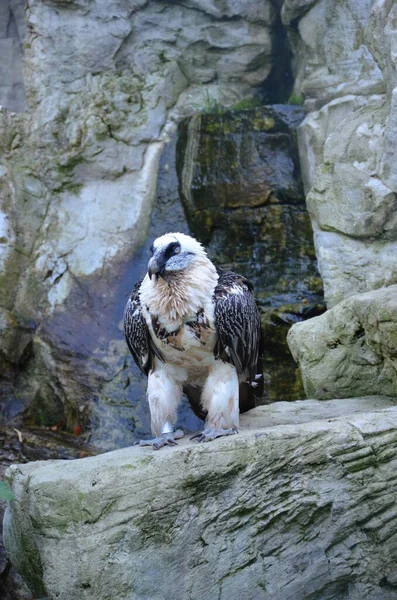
(173,253)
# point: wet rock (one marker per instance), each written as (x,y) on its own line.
(242,192)
(290,508)
(351,349)
(16,336)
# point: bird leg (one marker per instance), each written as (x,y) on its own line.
(164,394)
(220,401)
(165,439)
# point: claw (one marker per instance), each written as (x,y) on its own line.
(209,434)
(165,439)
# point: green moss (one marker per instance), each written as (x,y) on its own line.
(260,124)
(360,464)
(246,103)
(62,116)
(296,99)
(5,492)
(163,57)
(327,168)
(145,462)
(9,278)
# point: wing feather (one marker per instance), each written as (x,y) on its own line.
(239,329)
(137,333)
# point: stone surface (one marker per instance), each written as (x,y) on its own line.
(20,447)
(351,349)
(105,86)
(345,71)
(12,35)
(286,511)
(355,265)
(332,57)
(242,193)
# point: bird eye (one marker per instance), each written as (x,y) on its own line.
(177,250)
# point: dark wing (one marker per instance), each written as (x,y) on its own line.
(238,326)
(137,333)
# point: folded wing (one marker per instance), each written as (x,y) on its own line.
(137,333)
(239,329)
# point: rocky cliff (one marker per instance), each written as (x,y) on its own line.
(78,173)
(348,161)
(105,87)
(345,72)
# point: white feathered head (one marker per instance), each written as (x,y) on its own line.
(173,253)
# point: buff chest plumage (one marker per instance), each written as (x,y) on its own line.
(194,329)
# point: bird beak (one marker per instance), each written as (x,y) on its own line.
(156,265)
(152,268)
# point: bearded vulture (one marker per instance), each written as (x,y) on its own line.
(194,329)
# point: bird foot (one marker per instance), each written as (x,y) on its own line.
(211,433)
(165,439)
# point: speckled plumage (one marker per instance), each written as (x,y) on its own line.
(194,328)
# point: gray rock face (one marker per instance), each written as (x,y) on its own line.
(333,57)
(350,349)
(345,70)
(105,86)
(12,35)
(286,511)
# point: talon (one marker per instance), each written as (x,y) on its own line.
(210,434)
(166,439)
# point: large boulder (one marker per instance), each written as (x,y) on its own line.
(290,508)
(351,349)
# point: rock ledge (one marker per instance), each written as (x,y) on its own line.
(292,508)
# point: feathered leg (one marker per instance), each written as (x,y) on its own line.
(220,400)
(164,394)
